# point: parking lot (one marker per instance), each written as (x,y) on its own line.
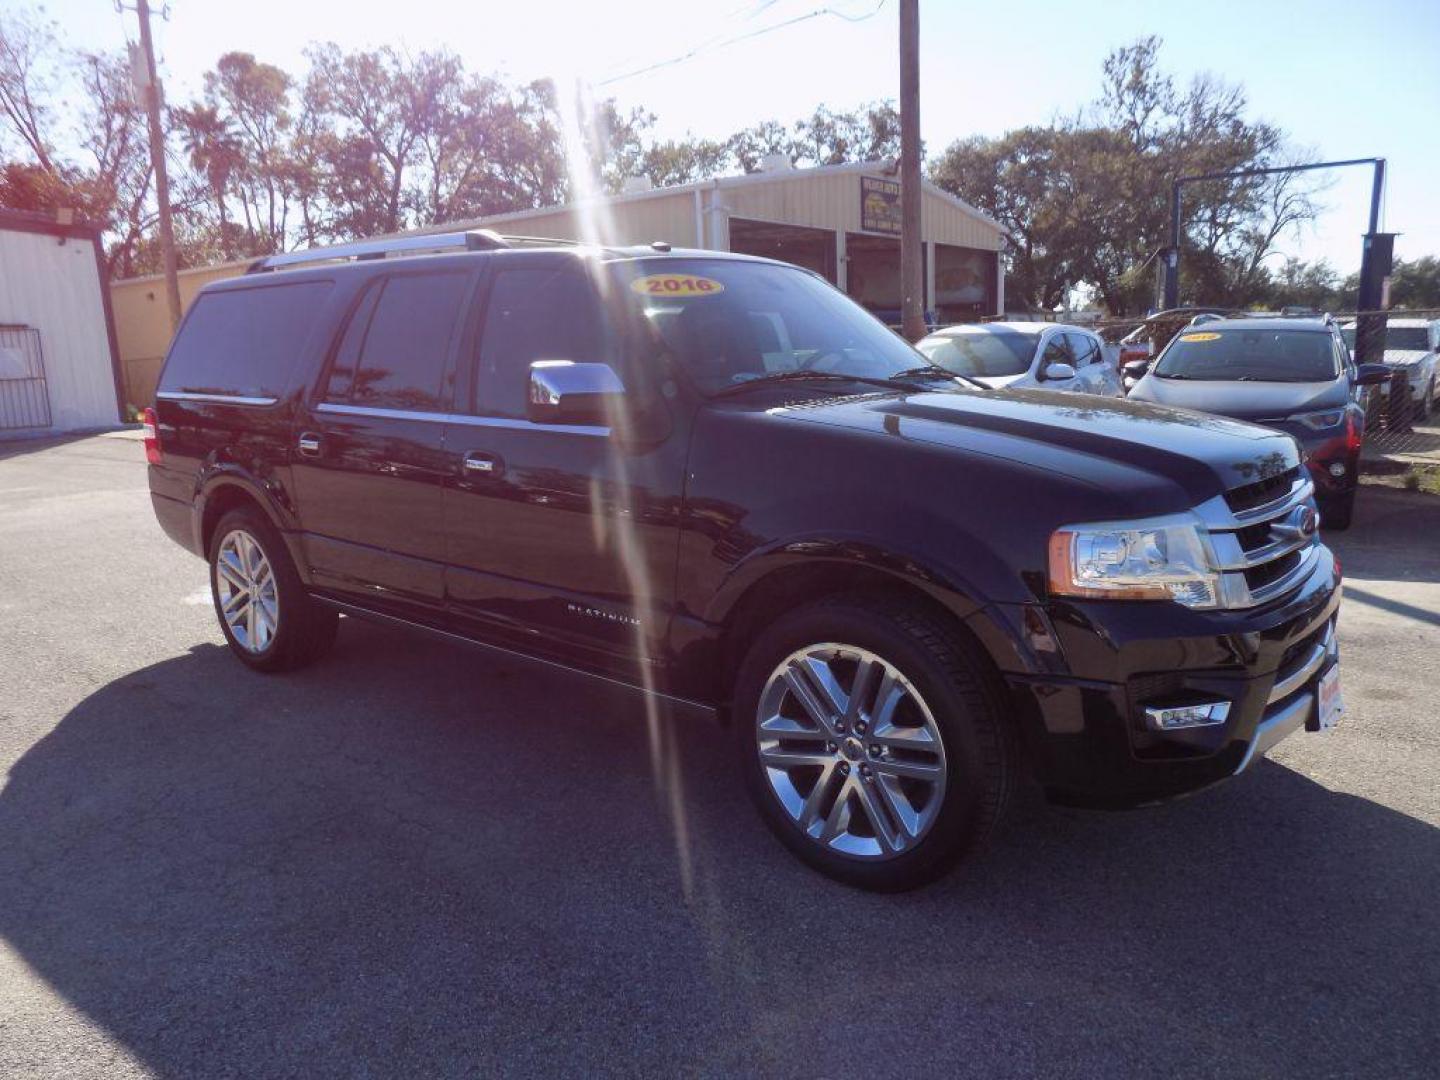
(415,859)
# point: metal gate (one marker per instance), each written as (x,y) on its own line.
(24,397)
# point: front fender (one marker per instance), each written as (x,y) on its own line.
(996,626)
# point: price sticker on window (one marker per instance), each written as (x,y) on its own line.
(676,285)
(1200,337)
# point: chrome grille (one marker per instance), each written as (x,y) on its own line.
(1248,496)
(1264,549)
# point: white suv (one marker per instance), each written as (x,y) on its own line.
(1411,345)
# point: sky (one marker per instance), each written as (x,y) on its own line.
(1345,80)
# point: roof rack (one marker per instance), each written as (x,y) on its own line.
(427,244)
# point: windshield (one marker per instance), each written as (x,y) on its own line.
(730,322)
(1249,355)
(1412,338)
(981,353)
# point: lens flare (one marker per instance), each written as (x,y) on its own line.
(617,516)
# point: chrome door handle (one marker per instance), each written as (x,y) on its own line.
(479,463)
(309,444)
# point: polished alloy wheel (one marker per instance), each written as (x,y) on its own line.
(245,585)
(851,751)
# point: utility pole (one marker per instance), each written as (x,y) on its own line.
(149,87)
(912,270)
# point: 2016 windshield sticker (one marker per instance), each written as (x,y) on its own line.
(1207,336)
(676,285)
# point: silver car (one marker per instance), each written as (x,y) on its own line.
(1048,356)
(1412,345)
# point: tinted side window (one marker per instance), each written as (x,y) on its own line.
(407,342)
(533,314)
(244,341)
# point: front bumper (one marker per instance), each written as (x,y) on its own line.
(1085,725)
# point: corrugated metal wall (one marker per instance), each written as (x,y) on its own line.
(833,202)
(54,286)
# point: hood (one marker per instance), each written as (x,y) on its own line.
(1111,444)
(1242,400)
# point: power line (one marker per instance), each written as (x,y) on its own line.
(713,43)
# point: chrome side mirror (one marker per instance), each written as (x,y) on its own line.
(564,392)
(1057,372)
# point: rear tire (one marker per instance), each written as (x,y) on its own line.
(269,621)
(901,769)
(1426,405)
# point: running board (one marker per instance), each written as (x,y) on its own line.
(685,705)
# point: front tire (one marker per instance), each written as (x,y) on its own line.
(1336,515)
(269,621)
(871,741)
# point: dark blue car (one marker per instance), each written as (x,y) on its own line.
(1295,375)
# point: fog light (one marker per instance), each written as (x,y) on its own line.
(1337,468)
(1176,717)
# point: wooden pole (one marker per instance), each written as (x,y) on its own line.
(157,161)
(912,269)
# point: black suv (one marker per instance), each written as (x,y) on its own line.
(716,479)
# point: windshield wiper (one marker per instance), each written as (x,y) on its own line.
(802,375)
(1167,375)
(935,371)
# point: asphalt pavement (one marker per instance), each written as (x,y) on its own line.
(417,860)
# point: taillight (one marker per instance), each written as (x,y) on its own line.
(1352,433)
(149,426)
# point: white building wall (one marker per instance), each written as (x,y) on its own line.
(54,286)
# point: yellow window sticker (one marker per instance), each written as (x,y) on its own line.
(676,285)
(1207,336)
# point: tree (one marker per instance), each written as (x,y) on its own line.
(214,151)
(253,99)
(87,150)
(1297,283)
(1415,284)
(869,133)
(1088,197)
(1016,180)
(29,57)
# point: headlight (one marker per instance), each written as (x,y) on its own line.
(1323,420)
(1160,559)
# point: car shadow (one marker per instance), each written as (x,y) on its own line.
(412,859)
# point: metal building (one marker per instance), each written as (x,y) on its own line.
(59,365)
(842,221)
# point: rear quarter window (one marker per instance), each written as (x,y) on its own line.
(244,342)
